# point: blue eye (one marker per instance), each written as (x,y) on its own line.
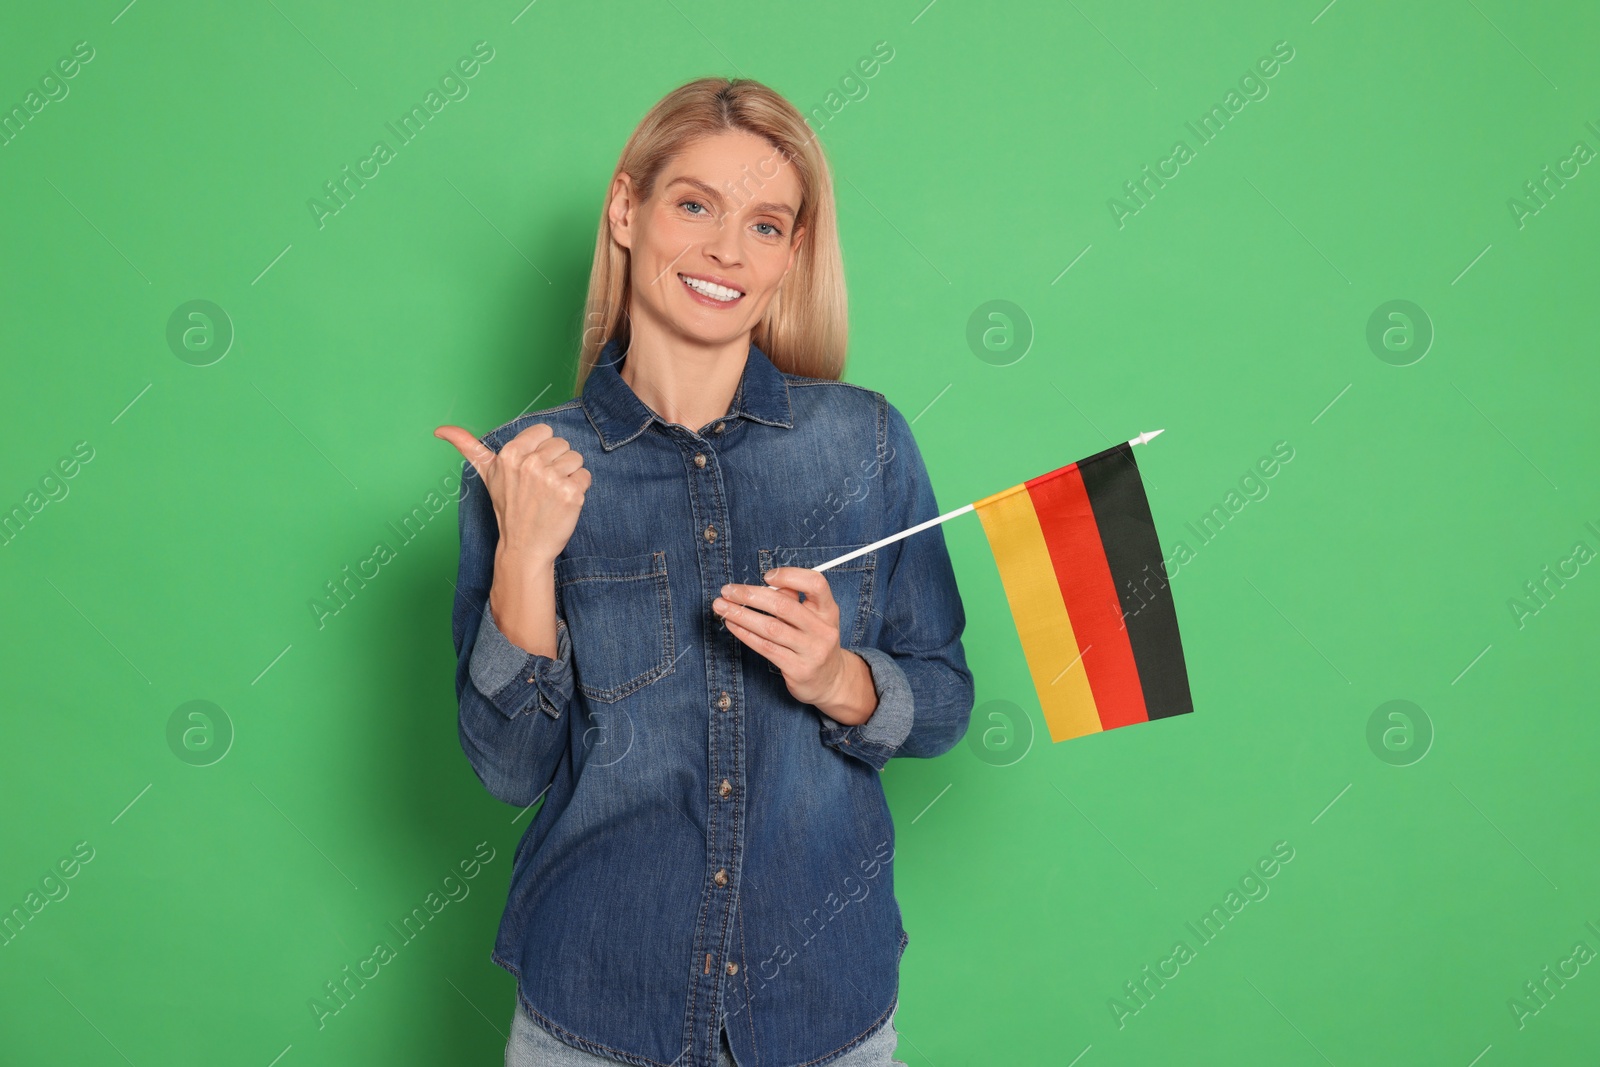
(776,232)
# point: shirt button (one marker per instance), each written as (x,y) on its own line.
(721,877)
(699,459)
(724,701)
(711,533)
(718,429)
(725,788)
(733,968)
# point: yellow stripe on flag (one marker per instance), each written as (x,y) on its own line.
(1034,593)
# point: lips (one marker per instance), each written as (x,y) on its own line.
(710,292)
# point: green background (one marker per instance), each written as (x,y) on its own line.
(1427,485)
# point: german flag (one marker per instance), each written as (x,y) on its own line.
(1083,573)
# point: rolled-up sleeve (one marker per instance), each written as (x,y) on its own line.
(512,702)
(919,668)
(513,678)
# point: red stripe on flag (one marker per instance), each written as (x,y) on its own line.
(1084,574)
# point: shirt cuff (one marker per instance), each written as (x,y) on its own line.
(876,740)
(513,678)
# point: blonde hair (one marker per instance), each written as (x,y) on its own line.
(805,328)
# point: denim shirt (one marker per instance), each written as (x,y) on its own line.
(711,852)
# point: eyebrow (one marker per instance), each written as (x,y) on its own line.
(766,205)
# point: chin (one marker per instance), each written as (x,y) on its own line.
(713,329)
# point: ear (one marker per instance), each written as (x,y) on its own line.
(620,209)
(794,253)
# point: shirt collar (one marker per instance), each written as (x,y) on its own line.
(619,416)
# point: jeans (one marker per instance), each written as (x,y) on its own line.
(531,1045)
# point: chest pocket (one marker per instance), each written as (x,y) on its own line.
(852,583)
(619,610)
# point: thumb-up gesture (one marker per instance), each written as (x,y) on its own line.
(536,484)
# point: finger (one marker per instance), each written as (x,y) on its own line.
(775,631)
(553,448)
(802,579)
(568,463)
(769,649)
(472,450)
(527,441)
(781,603)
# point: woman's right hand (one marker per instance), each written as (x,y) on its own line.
(536,484)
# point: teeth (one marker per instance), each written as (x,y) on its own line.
(715,292)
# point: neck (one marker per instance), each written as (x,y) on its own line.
(685,382)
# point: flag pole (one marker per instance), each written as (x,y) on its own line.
(1143,438)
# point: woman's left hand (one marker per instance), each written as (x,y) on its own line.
(801,638)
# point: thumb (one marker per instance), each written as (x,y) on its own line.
(473,450)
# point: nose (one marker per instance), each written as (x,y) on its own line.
(725,244)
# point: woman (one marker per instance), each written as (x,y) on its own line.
(710,878)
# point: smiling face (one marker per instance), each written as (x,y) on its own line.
(708,250)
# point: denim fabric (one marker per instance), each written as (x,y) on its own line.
(530,1045)
(711,853)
